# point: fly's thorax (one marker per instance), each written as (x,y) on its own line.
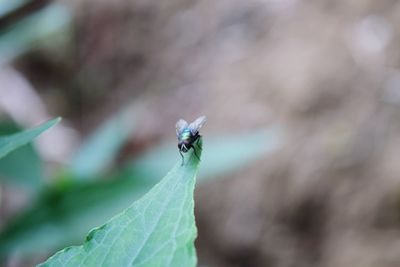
(186,135)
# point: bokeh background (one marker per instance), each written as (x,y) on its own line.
(303,132)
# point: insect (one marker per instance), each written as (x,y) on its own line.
(188,134)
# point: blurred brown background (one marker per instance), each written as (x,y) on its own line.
(327,72)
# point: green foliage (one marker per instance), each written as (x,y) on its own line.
(31,175)
(101,148)
(157,230)
(11,142)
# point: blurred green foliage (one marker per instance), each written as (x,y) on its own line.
(9,143)
(31,175)
(102,147)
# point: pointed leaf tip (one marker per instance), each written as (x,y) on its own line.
(157,230)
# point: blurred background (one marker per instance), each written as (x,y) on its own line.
(301,148)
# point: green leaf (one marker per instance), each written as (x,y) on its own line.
(11,142)
(66,212)
(157,230)
(101,148)
(30,176)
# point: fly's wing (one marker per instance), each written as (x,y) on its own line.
(197,124)
(180,126)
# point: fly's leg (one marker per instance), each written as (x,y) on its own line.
(183,159)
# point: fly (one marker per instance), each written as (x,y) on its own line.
(188,134)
